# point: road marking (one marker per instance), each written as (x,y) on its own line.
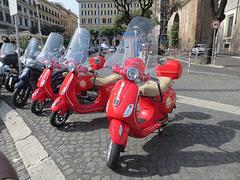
(36,160)
(209,105)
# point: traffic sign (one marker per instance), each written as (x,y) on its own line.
(13,7)
(215,24)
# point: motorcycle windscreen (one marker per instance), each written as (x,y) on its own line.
(7,48)
(139,41)
(33,49)
(78,48)
(52,48)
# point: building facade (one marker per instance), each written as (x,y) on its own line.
(193,20)
(49,13)
(228,38)
(96,14)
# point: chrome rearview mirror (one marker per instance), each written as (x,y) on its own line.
(162,61)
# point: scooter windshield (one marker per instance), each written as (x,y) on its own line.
(33,48)
(77,50)
(7,48)
(139,41)
(52,48)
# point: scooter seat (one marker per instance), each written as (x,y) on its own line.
(102,81)
(150,88)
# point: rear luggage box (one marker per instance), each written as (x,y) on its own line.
(172,69)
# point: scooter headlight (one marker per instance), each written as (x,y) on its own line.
(132,73)
(48,65)
(71,67)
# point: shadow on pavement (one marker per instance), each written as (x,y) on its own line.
(192,115)
(94,124)
(172,151)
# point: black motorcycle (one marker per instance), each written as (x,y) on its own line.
(8,66)
(33,70)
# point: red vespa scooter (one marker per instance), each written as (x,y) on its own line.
(81,91)
(132,110)
(45,89)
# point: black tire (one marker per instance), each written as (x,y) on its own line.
(37,107)
(8,87)
(20,97)
(113,155)
(57,120)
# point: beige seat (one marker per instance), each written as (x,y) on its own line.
(150,88)
(111,79)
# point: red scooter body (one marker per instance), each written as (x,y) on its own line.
(136,109)
(44,88)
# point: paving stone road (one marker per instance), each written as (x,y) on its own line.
(200,144)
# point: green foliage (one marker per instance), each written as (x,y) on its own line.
(173,34)
(110,33)
(121,21)
(47,29)
(94,33)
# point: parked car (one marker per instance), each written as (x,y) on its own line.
(112,49)
(198,49)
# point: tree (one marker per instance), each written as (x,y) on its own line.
(94,34)
(47,29)
(124,6)
(120,20)
(217,12)
(110,33)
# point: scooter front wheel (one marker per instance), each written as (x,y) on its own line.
(37,107)
(20,96)
(113,155)
(58,120)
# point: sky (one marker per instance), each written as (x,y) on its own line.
(69,4)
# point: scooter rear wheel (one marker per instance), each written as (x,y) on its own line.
(58,120)
(37,107)
(113,155)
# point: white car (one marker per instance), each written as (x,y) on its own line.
(199,49)
(112,49)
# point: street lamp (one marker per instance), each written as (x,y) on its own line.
(39,22)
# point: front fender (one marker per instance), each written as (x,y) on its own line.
(59,105)
(119,132)
(38,95)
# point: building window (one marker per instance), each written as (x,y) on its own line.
(19,8)
(20,21)
(109,20)
(1,16)
(25,10)
(83,20)
(229,26)
(104,21)
(226,46)
(8,18)
(90,21)
(26,22)
(30,12)
(5,2)
(43,17)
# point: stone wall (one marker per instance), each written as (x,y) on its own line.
(195,23)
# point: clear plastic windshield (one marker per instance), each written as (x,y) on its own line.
(52,49)
(77,50)
(7,48)
(34,46)
(139,41)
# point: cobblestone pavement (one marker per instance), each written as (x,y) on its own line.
(200,144)
(8,148)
